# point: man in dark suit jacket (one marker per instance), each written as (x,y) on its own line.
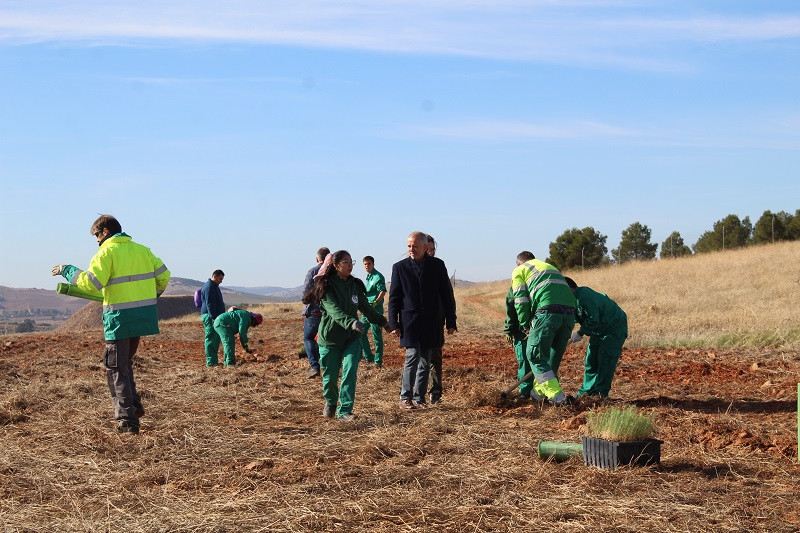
(419,285)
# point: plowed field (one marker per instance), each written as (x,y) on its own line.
(246,448)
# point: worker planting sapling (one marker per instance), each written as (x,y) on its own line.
(606,324)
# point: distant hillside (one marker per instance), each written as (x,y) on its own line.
(235,295)
(263,291)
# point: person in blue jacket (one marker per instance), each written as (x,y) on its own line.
(211,306)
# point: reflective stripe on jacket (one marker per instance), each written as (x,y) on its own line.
(130,278)
(536,284)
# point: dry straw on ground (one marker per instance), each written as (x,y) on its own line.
(246,448)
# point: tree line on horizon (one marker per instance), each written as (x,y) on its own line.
(586,248)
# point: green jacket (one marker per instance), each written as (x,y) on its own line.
(342,301)
(375,284)
(511,324)
(537,284)
(130,278)
(238,321)
(599,315)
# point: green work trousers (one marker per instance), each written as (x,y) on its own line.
(228,338)
(211,340)
(377,337)
(546,346)
(602,356)
(523,367)
(332,361)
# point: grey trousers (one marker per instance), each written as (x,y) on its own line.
(414,384)
(118,360)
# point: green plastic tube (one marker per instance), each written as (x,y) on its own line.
(73,290)
(560,451)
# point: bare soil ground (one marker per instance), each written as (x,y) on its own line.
(246,448)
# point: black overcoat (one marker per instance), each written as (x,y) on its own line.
(415,294)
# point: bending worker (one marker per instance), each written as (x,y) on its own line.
(607,326)
(546,312)
(228,324)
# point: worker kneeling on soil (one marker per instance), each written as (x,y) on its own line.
(228,324)
(607,326)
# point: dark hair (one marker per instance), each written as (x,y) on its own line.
(218,272)
(106,222)
(571,283)
(322,253)
(368,258)
(525,255)
(320,287)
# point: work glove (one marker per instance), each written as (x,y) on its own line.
(57,270)
(509,338)
(576,337)
(357,326)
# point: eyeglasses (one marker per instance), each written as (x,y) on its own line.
(346,263)
(97,234)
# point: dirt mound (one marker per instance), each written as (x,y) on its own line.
(91,315)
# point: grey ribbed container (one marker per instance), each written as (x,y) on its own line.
(610,454)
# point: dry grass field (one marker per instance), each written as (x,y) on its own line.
(713,356)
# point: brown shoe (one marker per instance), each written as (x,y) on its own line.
(421,405)
(407,404)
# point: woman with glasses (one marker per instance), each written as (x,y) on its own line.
(340,297)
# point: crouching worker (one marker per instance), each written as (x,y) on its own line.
(607,326)
(130,278)
(340,297)
(518,340)
(228,324)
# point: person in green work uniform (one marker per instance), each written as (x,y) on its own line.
(341,297)
(375,285)
(130,278)
(606,323)
(518,340)
(228,324)
(545,309)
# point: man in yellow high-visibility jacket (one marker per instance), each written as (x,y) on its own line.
(130,278)
(545,309)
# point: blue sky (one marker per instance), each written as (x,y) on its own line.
(246,136)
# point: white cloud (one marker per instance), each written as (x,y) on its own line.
(626,34)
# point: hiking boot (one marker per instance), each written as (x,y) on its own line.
(128,427)
(407,404)
(347,417)
(314,372)
(139,412)
(421,405)
(435,399)
(328,410)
